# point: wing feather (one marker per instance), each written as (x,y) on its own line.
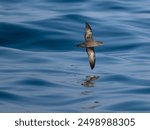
(91,54)
(88,33)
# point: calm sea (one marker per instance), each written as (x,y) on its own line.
(42,70)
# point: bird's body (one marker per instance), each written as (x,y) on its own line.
(89,44)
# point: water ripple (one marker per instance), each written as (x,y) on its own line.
(42,70)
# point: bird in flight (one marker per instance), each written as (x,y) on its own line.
(89,44)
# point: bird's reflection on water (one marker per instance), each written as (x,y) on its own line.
(89,81)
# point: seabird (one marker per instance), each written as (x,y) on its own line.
(89,44)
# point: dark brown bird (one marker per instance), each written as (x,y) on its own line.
(89,44)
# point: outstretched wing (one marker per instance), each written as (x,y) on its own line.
(91,55)
(88,33)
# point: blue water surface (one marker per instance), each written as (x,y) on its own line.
(42,70)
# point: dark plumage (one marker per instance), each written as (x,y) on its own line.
(89,44)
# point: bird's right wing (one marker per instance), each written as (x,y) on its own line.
(88,33)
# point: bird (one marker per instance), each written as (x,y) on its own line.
(89,44)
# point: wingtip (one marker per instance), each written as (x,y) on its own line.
(92,64)
(87,25)
(92,67)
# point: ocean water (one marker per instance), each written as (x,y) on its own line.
(42,70)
